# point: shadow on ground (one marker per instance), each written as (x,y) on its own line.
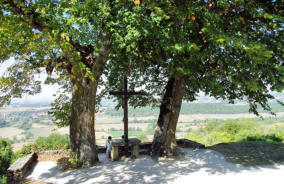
(145,170)
(251,153)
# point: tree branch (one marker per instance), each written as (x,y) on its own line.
(28,16)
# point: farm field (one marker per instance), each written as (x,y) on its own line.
(10,132)
(24,125)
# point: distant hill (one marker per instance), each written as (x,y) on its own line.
(44,102)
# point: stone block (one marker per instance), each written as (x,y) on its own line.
(145,148)
(101,149)
(189,144)
(17,171)
(114,153)
(135,151)
(52,155)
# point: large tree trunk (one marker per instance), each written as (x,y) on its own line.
(84,89)
(164,142)
(82,129)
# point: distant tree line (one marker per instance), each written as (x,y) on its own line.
(194,108)
(25,119)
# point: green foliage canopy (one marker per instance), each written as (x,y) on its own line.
(72,39)
(52,142)
(227,49)
(68,37)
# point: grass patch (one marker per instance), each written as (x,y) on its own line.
(41,132)
(251,153)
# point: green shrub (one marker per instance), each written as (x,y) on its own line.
(5,158)
(278,130)
(3,179)
(52,142)
(211,126)
(142,137)
(74,161)
(266,138)
(232,131)
(242,134)
(217,137)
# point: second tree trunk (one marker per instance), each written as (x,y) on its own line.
(164,142)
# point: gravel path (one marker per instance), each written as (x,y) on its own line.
(202,166)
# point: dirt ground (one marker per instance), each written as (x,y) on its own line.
(197,166)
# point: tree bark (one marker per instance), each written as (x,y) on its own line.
(164,143)
(84,89)
(82,128)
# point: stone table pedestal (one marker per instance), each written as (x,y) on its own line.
(133,144)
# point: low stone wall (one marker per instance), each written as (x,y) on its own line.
(101,149)
(20,167)
(18,170)
(52,155)
(145,147)
(185,143)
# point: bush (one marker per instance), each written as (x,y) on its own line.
(74,161)
(211,126)
(142,137)
(5,158)
(52,142)
(278,130)
(232,131)
(266,138)
(3,179)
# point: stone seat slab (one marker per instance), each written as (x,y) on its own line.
(20,167)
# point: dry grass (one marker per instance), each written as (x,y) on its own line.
(10,132)
(36,125)
(18,146)
(55,158)
(251,153)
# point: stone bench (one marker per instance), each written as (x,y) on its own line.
(145,148)
(133,144)
(17,171)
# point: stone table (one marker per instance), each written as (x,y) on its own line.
(133,144)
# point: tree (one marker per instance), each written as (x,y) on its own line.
(72,39)
(228,49)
